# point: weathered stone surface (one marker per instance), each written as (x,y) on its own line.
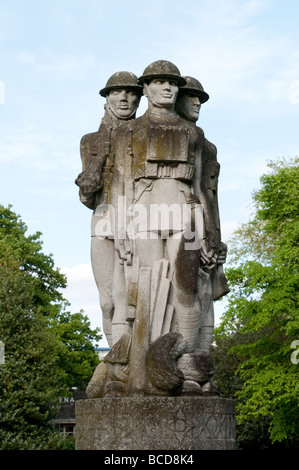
(198,366)
(96,386)
(155,423)
(156,248)
(161,368)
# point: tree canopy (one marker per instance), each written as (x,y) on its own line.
(263,305)
(30,380)
(77,340)
(48,350)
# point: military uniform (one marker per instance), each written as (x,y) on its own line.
(159,163)
(97,156)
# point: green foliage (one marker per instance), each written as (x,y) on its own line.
(29,378)
(28,249)
(76,349)
(67,443)
(48,350)
(75,339)
(263,305)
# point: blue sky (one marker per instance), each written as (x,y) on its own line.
(55,56)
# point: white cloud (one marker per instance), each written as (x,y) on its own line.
(235,59)
(81,284)
(25,145)
(232,13)
(81,272)
(219,309)
(5,23)
(227,229)
(295,92)
(63,65)
(40,149)
(26,57)
(67,63)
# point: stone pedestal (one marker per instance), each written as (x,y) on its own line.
(155,423)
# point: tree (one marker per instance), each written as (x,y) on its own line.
(30,380)
(28,249)
(263,304)
(77,358)
(76,340)
(48,350)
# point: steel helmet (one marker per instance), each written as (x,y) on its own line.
(122,80)
(162,68)
(194,86)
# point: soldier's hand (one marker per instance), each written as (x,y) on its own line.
(207,256)
(120,248)
(88,182)
(222,253)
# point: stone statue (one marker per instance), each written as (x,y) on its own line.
(122,95)
(161,201)
(214,285)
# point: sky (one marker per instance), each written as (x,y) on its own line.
(55,56)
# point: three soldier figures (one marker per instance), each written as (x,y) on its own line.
(156,249)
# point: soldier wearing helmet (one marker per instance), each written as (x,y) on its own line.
(190,98)
(122,94)
(188,105)
(158,162)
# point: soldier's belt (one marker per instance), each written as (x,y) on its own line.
(182,171)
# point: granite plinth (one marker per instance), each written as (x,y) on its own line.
(155,423)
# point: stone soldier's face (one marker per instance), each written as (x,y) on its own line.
(123,102)
(161,92)
(188,106)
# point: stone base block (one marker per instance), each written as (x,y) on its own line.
(155,423)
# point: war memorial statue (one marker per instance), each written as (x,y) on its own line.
(157,258)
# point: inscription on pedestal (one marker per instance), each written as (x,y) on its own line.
(154,423)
